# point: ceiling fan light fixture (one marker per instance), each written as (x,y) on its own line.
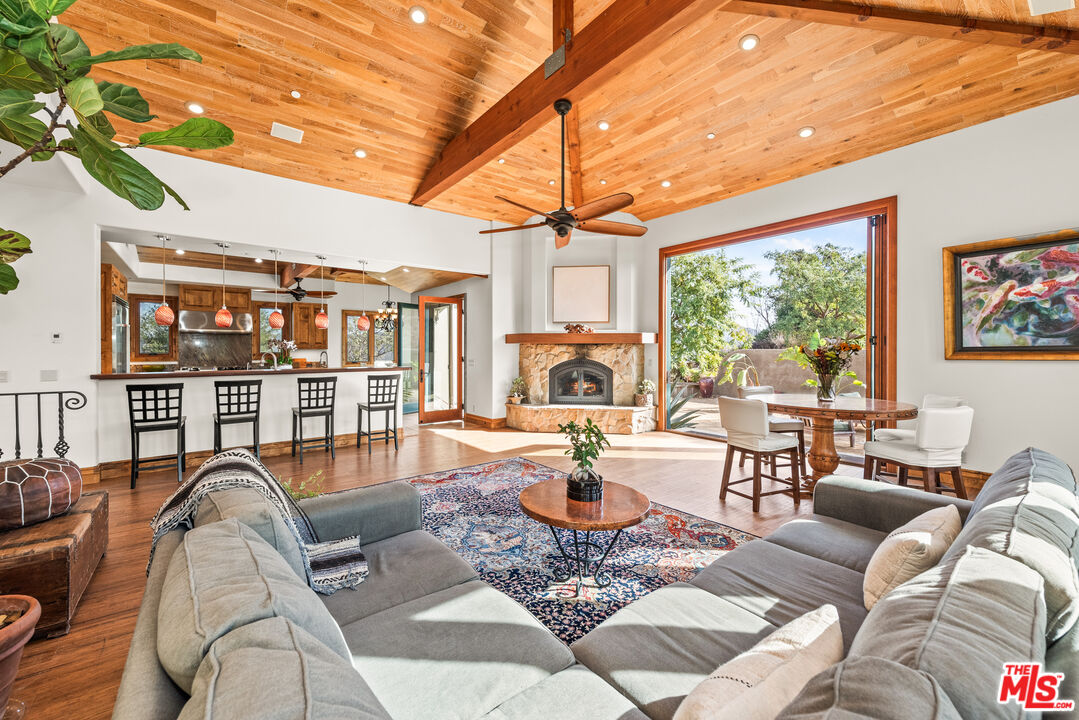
(417,14)
(749,42)
(807,131)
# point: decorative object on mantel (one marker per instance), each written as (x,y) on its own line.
(322,320)
(1013,299)
(276,319)
(18,618)
(578,329)
(645,395)
(518,390)
(223,318)
(363,322)
(44,58)
(163,316)
(829,359)
(586,441)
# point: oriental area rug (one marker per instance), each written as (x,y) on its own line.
(475,511)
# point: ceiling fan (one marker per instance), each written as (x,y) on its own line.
(298,293)
(585,217)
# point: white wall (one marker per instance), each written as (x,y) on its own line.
(1013,176)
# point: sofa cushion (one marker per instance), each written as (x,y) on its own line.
(960,622)
(825,538)
(657,649)
(910,550)
(779,585)
(871,687)
(572,694)
(1043,535)
(256,512)
(457,653)
(224,576)
(1063,657)
(758,683)
(1030,471)
(275,670)
(401,568)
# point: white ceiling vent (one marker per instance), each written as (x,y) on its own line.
(1043,7)
(286,133)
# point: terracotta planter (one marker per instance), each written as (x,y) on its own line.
(707,386)
(13,638)
(514,399)
(643,400)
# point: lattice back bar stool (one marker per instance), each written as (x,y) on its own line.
(157,408)
(778,424)
(381,396)
(238,402)
(317,398)
(746,422)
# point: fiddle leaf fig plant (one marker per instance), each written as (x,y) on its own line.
(49,105)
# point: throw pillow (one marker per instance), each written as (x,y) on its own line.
(759,683)
(256,512)
(910,550)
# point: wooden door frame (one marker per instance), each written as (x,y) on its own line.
(881,259)
(457,413)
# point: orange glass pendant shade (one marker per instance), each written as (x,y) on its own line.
(164,316)
(363,323)
(276,320)
(322,321)
(223,319)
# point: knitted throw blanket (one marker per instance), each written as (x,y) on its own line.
(330,565)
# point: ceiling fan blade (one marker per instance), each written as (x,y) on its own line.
(516,227)
(561,242)
(525,207)
(320,293)
(602,206)
(609,227)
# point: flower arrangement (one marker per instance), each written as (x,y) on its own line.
(283,349)
(828,358)
(645,393)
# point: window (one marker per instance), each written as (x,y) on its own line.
(260,339)
(150,341)
(364,347)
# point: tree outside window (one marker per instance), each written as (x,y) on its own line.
(267,333)
(153,338)
(358,351)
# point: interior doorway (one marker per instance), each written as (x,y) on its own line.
(441,359)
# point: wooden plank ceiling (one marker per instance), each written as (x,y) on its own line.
(372,79)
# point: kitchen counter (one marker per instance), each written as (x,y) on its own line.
(226,373)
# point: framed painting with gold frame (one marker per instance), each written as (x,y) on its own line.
(1013,299)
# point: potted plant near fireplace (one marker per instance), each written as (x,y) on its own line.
(518,390)
(586,443)
(645,394)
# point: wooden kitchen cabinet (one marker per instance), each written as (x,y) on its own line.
(304,333)
(207,298)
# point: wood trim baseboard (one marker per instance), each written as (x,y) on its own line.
(489,423)
(121,469)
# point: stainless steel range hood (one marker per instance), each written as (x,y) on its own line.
(192,321)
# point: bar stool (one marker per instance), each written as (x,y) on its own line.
(778,424)
(317,397)
(154,408)
(238,402)
(746,422)
(381,395)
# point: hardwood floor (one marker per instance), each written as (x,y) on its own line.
(76,676)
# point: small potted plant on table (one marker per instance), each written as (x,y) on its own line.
(518,391)
(644,397)
(586,441)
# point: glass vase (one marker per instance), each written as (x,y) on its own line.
(826,388)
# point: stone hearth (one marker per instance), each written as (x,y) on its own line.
(611,419)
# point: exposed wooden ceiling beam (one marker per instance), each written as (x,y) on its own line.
(624,33)
(292,272)
(912,22)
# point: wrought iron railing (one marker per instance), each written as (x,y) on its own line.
(65,400)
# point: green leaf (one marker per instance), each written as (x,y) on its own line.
(198,133)
(124,101)
(101,125)
(41,8)
(70,48)
(22,130)
(18,102)
(59,6)
(119,172)
(13,246)
(12,9)
(175,196)
(34,47)
(8,279)
(84,97)
(160,51)
(24,24)
(16,74)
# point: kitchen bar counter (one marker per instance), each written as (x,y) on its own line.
(241,373)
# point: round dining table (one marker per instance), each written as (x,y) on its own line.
(823,457)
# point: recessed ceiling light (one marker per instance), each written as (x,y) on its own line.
(196,108)
(179,251)
(550,182)
(404,269)
(418,14)
(666,183)
(258,260)
(360,153)
(711,136)
(603,125)
(748,42)
(295,94)
(382,279)
(602,182)
(501,161)
(807,131)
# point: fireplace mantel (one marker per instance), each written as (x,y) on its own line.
(598,338)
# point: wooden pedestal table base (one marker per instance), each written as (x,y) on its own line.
(823,457)
(621,507)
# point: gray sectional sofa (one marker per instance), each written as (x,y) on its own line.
(428,639)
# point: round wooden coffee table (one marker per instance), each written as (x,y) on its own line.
(621,507)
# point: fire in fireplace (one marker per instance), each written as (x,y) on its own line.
(581,381)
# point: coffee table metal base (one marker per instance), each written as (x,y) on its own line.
(585,553)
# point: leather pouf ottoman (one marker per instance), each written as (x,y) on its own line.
(34,490)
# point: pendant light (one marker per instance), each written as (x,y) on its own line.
(223,319)
(276,319)
(163,316)
(363,322)
(322,320)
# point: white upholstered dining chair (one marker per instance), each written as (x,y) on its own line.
(746,422)
(778,424)
(929,400)
(936,448)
